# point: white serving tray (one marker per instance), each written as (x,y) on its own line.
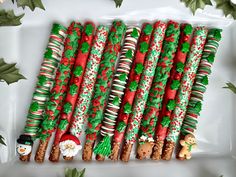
(25,45)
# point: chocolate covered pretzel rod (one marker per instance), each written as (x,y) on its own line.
(199,88)
(89,80)
(172,86)
(154,101)
(85,95)
(54,104)
(129,94)
(73,89)
(182,98)
(46,76)
(117,91)
(102,85)
(143,89)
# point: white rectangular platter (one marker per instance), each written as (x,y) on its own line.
(25,44)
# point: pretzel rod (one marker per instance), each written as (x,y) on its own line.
(46,76)
(73,89)
(172,86)
(154,101)
(182,98)
(86,91)
(58,91)
(102,86)
(199,88)
(117,91)
(143,88)
(130,91)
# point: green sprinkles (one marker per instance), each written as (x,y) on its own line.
(85,47)
(185,47)
(78,71)
(67,108)
(123,76)
(127,108)
(179,67)
(89,29)
(42,80)
(34,107)
(135,33)
(133,86)
(171,105)
(73,89)
(129,54)
(188,29)
(116,101)
(175,84)
(139,68)
(211,58)
(204,80)
(148,29)
(165,121)
(143,47)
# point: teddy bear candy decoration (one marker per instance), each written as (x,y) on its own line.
(24,145)
(188,144)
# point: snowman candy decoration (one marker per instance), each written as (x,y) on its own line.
(24,145)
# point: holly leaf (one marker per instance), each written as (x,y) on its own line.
(74,172)
(2,140)
(231,87)
(32,4)
(196,4)
(8,18)
(118,3)
(9,73)
(227,6)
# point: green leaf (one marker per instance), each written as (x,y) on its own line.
(118,2)
(227,6)
(32,4)
(8,18)
(74,172)
(196,4)
(2,140)
(231,87)
(9,73)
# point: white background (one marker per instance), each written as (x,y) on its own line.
(25,45)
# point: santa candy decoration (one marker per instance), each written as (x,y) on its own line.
(69,145)
(24,145)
